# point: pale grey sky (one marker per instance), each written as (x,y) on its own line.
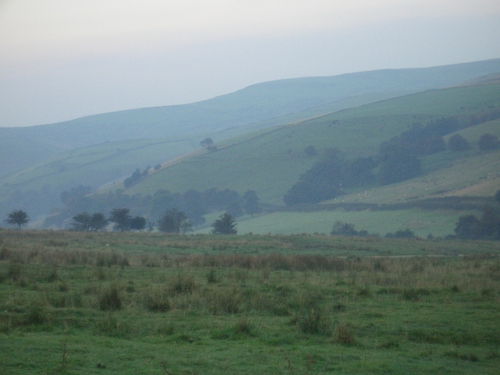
(62,59)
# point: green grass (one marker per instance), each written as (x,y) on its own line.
(438,223)
(245,304)
(271,161)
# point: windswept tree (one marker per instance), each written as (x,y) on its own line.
(174,221)
(18,217)
(84,222)
(121,218)
(224,225)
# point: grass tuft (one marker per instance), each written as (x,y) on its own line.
(110,299)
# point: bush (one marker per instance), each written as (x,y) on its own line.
(313,321)
(182,284)
(222,302)
(488,142)
(344,334)
(110,300)
(458,143)
(156,300)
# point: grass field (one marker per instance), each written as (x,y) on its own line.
(143,303)
(436,222)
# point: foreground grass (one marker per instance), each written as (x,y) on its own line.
(154,304)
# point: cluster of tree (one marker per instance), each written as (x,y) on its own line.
(329,177)
(209,144)
(173,221)
(196,204)
(192,203)
(426,139)
(481,118)
(121,218)
(136,177)
(347,229)
(397,160)
(402,233)
(485,227)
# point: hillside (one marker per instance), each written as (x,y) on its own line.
(261,105)
(253,153)
(271,161)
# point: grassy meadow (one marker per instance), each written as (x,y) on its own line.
(439,223)
(147,303)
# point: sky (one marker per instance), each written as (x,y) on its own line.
(64,59)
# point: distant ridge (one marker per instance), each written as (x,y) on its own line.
(42,161)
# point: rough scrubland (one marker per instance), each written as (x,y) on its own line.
(145,303)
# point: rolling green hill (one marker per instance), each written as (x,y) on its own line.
(255,150)
(270,161)
(258,106)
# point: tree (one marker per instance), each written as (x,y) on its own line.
(18,217)
(321,182)
(138,223)
(224,225)
(251,202)
(133,179)
(467,227)
(173,221)
(407,233)
(310,150)
(488,142)
(397,164)
(98,222)
(121,218)
(343,229)
(81,222)
(458,143)
(489,223)
(207,142)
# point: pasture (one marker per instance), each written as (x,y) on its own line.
(147,303)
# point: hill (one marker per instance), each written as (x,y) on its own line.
(271,161)
(261,105)
(100,149)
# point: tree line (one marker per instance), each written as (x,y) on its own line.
(397,160)
(487,226)
(192,203)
